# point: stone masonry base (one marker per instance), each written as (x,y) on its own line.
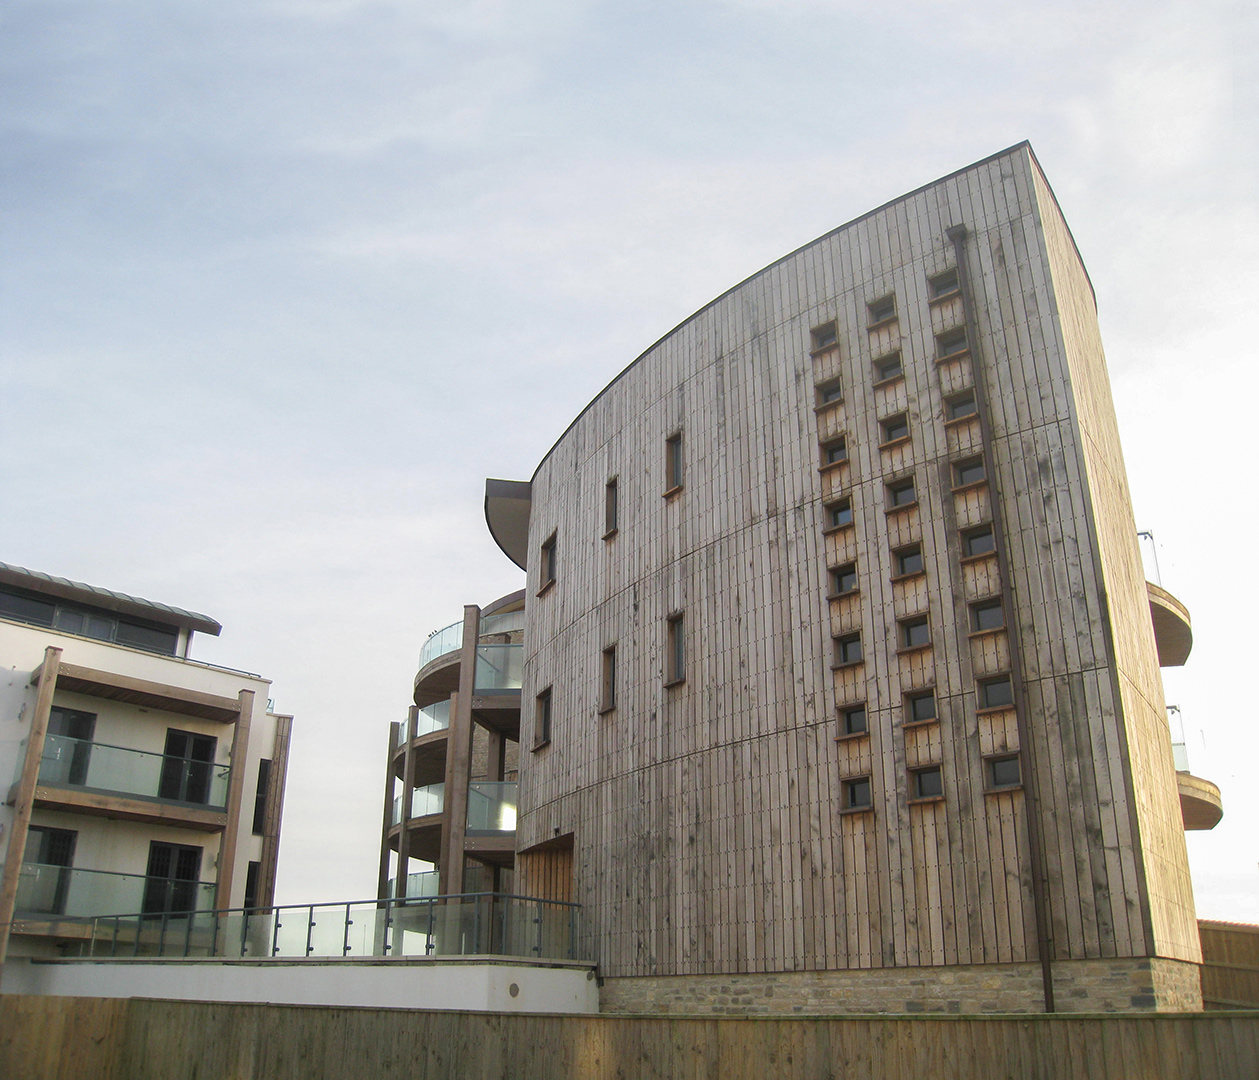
(1116,985)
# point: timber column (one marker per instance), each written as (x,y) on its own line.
(459,758)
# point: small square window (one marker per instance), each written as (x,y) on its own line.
(895,428)
(908,560)
(542,719)
(839,514)
(987,615)
(915,632)
(996,693)
(951,343)
(829,392)
(835,451)
(852,720)
(978,541)
(843,579)
(547,571)
(961,406)
(673,462)
(927,783)
(611,507)
(968,472)
(920,706)
(855,794)
(901,492)
(847,650)
(887,368)
(607,691)
(1004,772)
(942,285)
(824,336)
(882,310)
(676,659)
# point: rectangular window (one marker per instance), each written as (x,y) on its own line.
(252,874)
(68,751)
(920,706)
(172,879)
(943,284)
(673,463)
(915,632)
(967,472)
(542,719)
(996,693)
(43,891)
(611,508)
(882,310)
(855,794)
(843,579)
(547,572)
(839,514)
(887,368)
(1003,772)
(824,336)
(676,639)
(260,798)
(926,783)
(834,451)
(187,767)
(829,392)
(961,406)
(607,692)
(951,343)
(852,720)
(901,493)
(986,615)
(895,428)
(978,541)
(847,649)
(908,560)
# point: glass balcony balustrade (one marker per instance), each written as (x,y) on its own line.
(79,763)
(492,806)
(440,642)
(421,884)
(64,891)
(432,718)
(429,799)
(509,622)
(499,668)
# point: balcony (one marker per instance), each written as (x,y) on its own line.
(492,806)
(1201,806)
(499,668)
(435,717)
(1172,630)
(440,642)
(425,801)
(81,776)
(58,892)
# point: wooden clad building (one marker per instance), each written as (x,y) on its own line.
(841,688)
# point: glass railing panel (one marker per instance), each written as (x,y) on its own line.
(447,639)
(507,622)
(70,762)
(1180,757)
(499,668)
(423,884)
(67,891)
(435,717)
(396,819)
(429,799)
(492,806)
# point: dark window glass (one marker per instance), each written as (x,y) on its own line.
(844,579)
(68,751)
(848,649)
(839,514)
(608,690)
(968,472)
(542,718)
(928,783)
(920,706)
(548,560)
(610,507)
(915,632)
(996,693)
(1004,772)
(987,615)
(882,309)
(677,649)
(834,451)
(150,638)
(943,284)
(43,891)
(828,392)
(170,884)
(979,541)
(673,461)
(187,767)
(27,609)
(888,367)
(857,793)
(853,719)
(252,873)
(824,336)
(901,493)
(962,405)
(260,798)
(951,343)
(909,561)
(895,427)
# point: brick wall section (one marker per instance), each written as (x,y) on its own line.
(1118,985)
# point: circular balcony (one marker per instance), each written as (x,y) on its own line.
(1172,630)
(1200,804)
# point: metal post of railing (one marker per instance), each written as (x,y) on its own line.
(275,931)
(428,940)
(538,919)
(572,932)
(161,937)
(345,944)
(310,929)
(244,930)
(476,925)
(188,934)
(214,941)
(113,945)
(388,927)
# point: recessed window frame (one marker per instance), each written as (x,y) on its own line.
(843,580)
(982,697)
(675,646)
(824,336)
(967,535)
(547,564)
(980,612)
(856,795)
(909,632)
(894,489)
(881,311)
(834,510)
(964,472)
(960,400)
(952,344)
(674,464)
(944,286)
(854,720)
(923,779)
(543,717)
(834,452)
(888,368)
(827,393)
(611,507)
(991,761)
(894,429)
(848,650)
(902,561)
(607,680)
(917,703)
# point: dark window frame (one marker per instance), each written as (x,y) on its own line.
(900,556)
(952,344)
(835,508)
(824,336)
(547,568)
(916,786)
(847,717)
(944,285)
(850,788)
(841,573)
(607,680)
(963,472)
(991,761)
(954,401)
(894,429)
(976,532)
(675,643)
(611,507)
(543,717)
(979,610)
(894,489)
(888,368)
(912,698)
(982,686)
(907,630)
(881,311)
(843,645)
(674,464)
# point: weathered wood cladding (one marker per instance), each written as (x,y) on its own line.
(705,816)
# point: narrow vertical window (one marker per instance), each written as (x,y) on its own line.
(547,571)
(673,463)
(260,798)
(611,508)
(542,719)
(676,671)
(607,692)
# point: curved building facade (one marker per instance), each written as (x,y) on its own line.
(839,662)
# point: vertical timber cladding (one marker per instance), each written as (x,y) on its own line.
(707,836)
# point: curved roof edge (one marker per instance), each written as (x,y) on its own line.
(507,505)
(106,599)
(1025,144)
(511,602)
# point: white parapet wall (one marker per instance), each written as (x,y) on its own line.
(467,984)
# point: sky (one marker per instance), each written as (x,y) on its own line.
(281,283)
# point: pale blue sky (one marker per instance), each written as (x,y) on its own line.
(267,266)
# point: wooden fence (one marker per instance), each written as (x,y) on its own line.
(1230,965)
(50,1038)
